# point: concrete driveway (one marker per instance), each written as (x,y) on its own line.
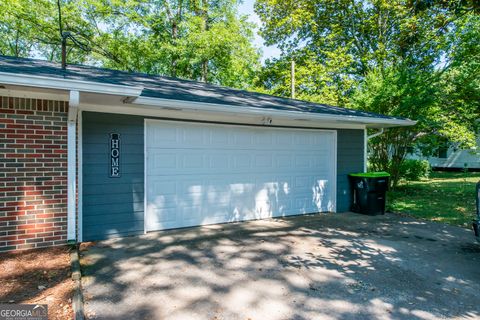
(335,266)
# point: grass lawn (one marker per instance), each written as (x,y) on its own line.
(447,197)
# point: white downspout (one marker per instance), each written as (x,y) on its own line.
(74,101)
(376,134)
(365,154)
(365,147)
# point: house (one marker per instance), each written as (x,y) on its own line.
(89,153)
(452,158)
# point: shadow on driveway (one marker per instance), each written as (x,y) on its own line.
(324,266)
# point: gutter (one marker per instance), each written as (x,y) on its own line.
(133,97)
(69,84)
(180,105)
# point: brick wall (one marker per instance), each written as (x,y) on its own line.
(33,173)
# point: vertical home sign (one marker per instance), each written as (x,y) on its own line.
(114,155)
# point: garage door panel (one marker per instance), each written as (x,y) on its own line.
(262,137)
(198,163)
(202,173)
(164,134)
(220,140)
(162,186)
(219,161)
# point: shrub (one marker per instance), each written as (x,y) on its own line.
(414,170)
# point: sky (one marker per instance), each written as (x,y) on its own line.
(246,8)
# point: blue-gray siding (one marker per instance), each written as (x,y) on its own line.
(350,145)
(112,206)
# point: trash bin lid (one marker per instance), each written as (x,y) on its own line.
(378,174)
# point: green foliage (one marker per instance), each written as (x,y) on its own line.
(414,170)
(401,93)
(316,82)
(413,59)
(193,39)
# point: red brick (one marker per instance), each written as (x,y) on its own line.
(25,246)
(7,189)
(5,209)
(15,242)
(12,135)
(8,238)
(16,126)
(53,238)
(33,155)
(36,204)
(43,225)
(44,131)
(24,208)
(34,231)
(15,203)
(24,112)
(44,234)
(8,218)
(25,236)
(7,131)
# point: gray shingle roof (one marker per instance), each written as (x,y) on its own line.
(173,88)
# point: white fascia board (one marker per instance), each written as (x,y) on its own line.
(68,84)
(219,117)
(29,94)
(202,106)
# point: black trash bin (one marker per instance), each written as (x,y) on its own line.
(369,192)
(476,222)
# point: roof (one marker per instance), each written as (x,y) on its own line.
(176,89)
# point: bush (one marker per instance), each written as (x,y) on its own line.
(414,170)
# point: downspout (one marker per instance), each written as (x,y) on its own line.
(73,103)
(376,134)
(365,147)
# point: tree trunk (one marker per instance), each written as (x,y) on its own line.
(173,71)
(201,10)
(204,71)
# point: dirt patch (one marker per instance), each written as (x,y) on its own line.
(38,276)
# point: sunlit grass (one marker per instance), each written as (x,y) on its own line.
(447,197)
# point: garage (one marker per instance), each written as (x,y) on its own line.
(201,173)
(119,154)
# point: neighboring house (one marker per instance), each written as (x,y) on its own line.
(89,153)
(453,158)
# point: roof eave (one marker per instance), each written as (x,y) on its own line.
(369,122)
(134,97)
(68,84)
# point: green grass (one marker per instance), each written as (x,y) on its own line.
(447,197)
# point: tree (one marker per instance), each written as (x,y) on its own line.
(400,58)
(323,83)
(195,39)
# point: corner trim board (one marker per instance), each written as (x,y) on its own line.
(80,178)
(72,165)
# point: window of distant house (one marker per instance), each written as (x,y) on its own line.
(442,152)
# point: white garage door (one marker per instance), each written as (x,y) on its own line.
(199,174)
